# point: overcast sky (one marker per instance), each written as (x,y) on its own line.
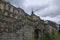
(45,9)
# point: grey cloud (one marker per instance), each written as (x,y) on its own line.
(55,19)
(34,8)
(17,3)
(52,9)
(51,12)
(55,11)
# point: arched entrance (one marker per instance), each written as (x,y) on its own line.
(37,33)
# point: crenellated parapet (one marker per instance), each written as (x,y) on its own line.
(9,10)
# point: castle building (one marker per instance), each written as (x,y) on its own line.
(15,24)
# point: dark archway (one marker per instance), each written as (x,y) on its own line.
(37,33)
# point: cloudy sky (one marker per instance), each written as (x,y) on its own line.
(45,9)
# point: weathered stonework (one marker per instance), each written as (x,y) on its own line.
(15,24)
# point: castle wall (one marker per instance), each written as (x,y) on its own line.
(15,24)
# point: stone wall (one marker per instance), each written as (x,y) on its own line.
(15,24)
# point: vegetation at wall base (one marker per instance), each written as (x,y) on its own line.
(48,36)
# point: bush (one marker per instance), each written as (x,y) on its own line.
(48,36)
